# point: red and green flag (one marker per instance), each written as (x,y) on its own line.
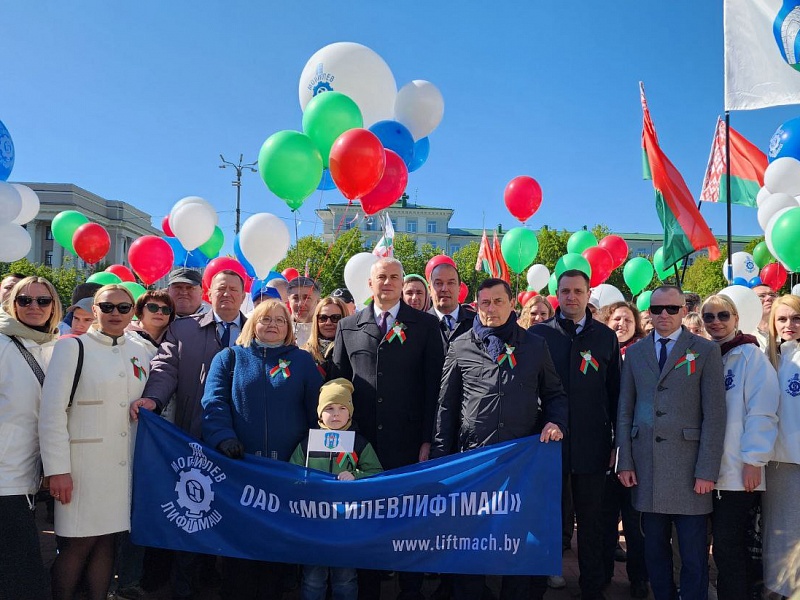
(747,168)
(501,267)
(685,230)
(485,260)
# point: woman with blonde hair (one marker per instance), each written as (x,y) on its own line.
(536,310)
(780,506)
(28,331)
(694,323)
(751,397)
(260,398)
(327,314)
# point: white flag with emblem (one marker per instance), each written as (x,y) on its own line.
(385,246)
(762,53)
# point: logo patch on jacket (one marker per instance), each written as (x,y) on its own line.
(729,384)
(793,388)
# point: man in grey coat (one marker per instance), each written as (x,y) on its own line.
(670,433)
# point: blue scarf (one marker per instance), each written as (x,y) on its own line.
(496,338)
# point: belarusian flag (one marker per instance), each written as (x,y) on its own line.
(485,260)
(685,230)
(385,246)
(503,272)
(746,172)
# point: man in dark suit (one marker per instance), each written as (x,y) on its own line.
(393,355)
(454,319)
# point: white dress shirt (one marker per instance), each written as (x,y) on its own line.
(392,314)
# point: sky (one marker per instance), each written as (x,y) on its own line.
(135,101)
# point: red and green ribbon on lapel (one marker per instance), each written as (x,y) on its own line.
(396,333)
(507,355)
(587,361)
(689,361)
(281,367)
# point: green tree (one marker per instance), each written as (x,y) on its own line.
(64,278)
(407,252)
(552,246)
(465,259)
(705,276)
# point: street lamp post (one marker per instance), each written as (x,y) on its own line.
(238,183)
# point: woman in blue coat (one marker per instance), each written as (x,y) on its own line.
(260,398)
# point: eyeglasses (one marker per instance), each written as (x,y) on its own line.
(279,321)
(724,316)
(672,309)
(108,307)
(331,318)
(26,301)
(154,308)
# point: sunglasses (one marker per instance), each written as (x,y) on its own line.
(331,318)
(724,316)
(25,301)
(672,309)
(108,307)
(154,308)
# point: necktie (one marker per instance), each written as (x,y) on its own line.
(662,355)
(447,322)
(382,322)
(225,340)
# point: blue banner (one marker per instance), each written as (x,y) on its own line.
(495,510)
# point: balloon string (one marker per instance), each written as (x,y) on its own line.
(335,235)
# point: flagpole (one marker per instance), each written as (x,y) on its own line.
(728,192)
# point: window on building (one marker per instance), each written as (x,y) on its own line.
(348,225)
(394,223)
(431,226)
(49,234)
(48,257)
(411,225)
(454,248)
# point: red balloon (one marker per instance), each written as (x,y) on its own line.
(290,273)
(122,272)
(463,292)
(223,263)
(523,297)
(391,186)
(151,258)
(248,284)
(91,242)
(439,259)
(166,228)
(523,197)
(602,264)
(553,301)
(357,162)
(617,247)
(774,275)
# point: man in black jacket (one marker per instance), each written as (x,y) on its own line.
(586,356)
(492,381)
(454,319)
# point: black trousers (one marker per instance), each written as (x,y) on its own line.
(513,587)
(252,580)
(616,501)
(587,498)
(369,584)
(730,522)
(22,575)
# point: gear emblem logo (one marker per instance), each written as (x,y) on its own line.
(193,510)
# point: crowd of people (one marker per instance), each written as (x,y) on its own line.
(672,422)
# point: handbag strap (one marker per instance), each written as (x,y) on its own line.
(78,369)
(37,370)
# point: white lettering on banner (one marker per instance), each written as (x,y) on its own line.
(196,477)
(445,542)
(259,500)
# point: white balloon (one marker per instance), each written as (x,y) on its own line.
(762,195)
(15,242)
(769,227)
(538,277)
(193,200)
(353,70)
(192,224)
(772,204)
(356,276)
(606,294)
(783,175)
(796,289)
(420,107)
(747,305)
(30,204)
(10,202)
(743,266)
(264,241)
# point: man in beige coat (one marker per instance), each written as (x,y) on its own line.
(670,433)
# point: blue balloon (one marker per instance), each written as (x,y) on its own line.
(196,259)
(326,183)
(755,281)
(178,251)
(740,281)
(785,141)
(6,153)
(237,250)
(395,137)
(273,275)
(421,150)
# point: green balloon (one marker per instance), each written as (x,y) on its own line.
(658,263)
(326,117)
(785,235)
(580,241)
(638,273)
(762,256)
(643,301)
(135,289)
(211,248)
(103,278)
(573,262)
(552,285)
(519,247)
(64,226)
(291,166)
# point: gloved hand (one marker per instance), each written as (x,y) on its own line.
(232,448)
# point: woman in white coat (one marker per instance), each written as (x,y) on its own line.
(781,505)
(87,447)
(28,329)
(751,395)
